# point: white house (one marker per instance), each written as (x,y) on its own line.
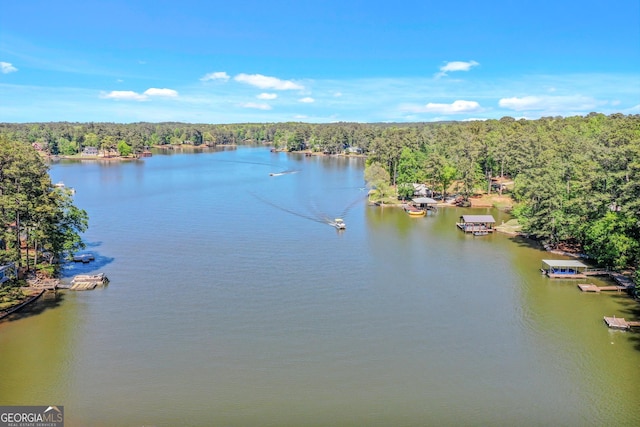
(8,272)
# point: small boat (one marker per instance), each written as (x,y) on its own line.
(84,258)
(339,224)
(60,185)
(414,211)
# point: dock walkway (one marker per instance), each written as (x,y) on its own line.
(44,284)
(620,323)
(589,287)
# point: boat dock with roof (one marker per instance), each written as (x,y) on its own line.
(478,225)
(564,268)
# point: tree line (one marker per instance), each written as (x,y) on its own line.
(576,179)
(38,221)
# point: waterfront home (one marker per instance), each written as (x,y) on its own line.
(90,151)
(8,272)
(420,190)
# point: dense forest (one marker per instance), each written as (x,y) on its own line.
(576,179)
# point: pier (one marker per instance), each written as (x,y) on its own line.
(620,323)
(44,284)
(589,287)
(85,282)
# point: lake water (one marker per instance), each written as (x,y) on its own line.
(233,303)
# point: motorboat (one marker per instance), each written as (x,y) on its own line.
(414,211)
(339,224)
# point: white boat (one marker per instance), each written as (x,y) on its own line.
(339,224)
(84,258)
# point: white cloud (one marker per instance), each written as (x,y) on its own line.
(456,66)
(307,100)
(161,92)
(337,94)
(129,95)
(633,110)
(267,96)
(218,75)
(257,106)
(456,107)
(6,68)
(266,82)
(549,103)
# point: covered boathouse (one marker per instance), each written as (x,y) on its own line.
(476,224)
(426,203)
(564,269)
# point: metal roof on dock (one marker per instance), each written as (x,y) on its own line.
(478,218)
(425,201)
(563,263)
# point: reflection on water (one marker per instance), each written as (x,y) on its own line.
(229,304)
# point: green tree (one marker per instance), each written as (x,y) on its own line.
(610,242)
(124,149)
(377,178)
(411,169)
(32,211)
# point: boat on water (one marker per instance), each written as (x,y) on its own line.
(414,211)
(339,224)
(84,258)
(60,185)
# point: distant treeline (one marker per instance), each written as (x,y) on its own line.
(576,179)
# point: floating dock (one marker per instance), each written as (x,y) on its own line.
(85,282)
(620,323)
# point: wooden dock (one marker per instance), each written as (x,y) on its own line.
(566,276)
(44,284)
(85,282)
(588,287)
(620,323)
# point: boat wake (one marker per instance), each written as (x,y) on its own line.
(283,209)
(287,172)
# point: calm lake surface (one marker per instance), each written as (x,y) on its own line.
(233,303)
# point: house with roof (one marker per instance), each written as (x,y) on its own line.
(8,272)
(89,151)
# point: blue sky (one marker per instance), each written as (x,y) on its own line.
(316,61)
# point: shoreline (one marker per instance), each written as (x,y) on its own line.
(20,305)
